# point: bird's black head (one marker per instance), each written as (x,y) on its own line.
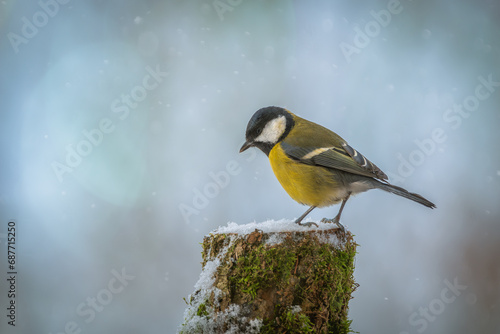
(267,127)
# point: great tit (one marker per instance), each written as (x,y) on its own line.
(314,165)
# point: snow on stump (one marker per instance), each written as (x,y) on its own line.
(273,277)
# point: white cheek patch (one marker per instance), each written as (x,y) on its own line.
(273,130)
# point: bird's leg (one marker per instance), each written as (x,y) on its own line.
(336,220)
(298,221)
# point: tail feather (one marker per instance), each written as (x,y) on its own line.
(405,193)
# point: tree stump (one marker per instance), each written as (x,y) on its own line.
(273,277)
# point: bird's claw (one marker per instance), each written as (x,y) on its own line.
(336,222)
(307,224)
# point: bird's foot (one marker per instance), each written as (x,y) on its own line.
(335,221)
(306,224)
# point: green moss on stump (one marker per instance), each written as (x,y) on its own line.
(275,282)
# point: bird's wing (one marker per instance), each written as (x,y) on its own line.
(340,156)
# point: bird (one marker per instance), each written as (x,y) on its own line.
(314,165)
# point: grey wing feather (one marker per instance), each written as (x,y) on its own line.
(364,162)
(343,158)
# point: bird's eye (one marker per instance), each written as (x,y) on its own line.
(259,131)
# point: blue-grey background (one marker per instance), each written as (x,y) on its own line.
(132,202)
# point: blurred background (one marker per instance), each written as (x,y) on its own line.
(120,127)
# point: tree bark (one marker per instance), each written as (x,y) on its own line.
(297,281)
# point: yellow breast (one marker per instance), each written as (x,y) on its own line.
(306,184)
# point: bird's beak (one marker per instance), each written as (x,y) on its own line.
(245,146)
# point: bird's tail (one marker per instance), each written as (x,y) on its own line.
(404,193)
